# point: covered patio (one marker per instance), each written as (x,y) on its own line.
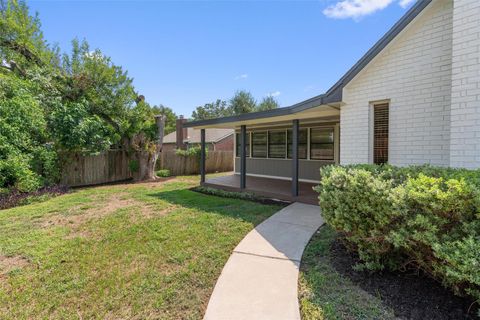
(278,153)
(266,187)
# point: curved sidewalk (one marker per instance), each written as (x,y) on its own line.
(259,280)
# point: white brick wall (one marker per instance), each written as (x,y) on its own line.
(414,73)
(465,110)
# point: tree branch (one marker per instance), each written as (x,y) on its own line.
(24,51)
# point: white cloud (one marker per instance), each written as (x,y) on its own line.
(405,3)
(274,94)
(242,76)
(357,9)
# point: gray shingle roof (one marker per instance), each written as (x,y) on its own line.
(193,135)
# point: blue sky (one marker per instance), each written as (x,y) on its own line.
(188,53)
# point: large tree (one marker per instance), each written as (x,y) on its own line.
(268,103)
(78,102)
(243,102)
(216,109)
(170,117)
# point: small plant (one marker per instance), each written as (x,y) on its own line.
(133,165)
(164,173)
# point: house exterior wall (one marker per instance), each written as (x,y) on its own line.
(465,110)
(225,144)
(281,168)
(173,146)
(308,170)
(413,73)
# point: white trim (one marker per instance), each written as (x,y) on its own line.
(277,177)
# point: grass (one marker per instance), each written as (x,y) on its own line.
(141,251)
(326,294)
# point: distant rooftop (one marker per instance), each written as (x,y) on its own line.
(193,135)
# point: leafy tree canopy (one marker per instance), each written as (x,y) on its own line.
(212,110)
(241,102)
(268,103)
(52,103)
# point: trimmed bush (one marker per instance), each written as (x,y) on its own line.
(164,173)
(415,217)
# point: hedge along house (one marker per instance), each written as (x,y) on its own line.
(413,98)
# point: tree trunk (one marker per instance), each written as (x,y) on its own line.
(147,160)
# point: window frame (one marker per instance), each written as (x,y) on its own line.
(284,143)
(307,129)
(237,144)
(386,135)
(252,144)
(332,128)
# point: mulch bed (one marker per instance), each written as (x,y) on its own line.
(411,296)
(16,198)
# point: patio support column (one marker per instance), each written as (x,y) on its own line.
(202,155)
(243,157)
(295,125)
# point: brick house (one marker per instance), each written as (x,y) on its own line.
(413,98)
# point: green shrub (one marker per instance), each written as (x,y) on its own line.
(27,160)
(164,173)
(191,152)
(420,216)
(133,165)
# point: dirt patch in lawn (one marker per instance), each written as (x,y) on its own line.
(108,206)
(8,264)
(411,296)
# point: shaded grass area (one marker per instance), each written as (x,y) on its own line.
(326,294)
(148,250)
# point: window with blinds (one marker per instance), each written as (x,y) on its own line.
(259,144)
(247,145)
(302,143)
(322,144)
(276,144)
(380,133)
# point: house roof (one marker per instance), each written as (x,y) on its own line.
(334,94)
(193,135)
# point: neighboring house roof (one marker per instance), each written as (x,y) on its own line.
(334,94)
(193,135)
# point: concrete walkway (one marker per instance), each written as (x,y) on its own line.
(259,280)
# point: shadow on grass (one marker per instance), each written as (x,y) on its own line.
(246,210)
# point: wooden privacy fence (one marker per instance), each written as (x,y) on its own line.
(217,161)
(82,170)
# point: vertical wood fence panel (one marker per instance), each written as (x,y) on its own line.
(217,161)
(82,170)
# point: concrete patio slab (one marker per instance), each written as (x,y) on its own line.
(259,281)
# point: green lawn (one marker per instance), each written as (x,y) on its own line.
(325,294)
(151,250)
